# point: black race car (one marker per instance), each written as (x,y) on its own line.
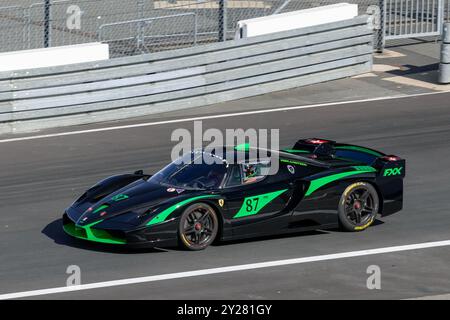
(320,184)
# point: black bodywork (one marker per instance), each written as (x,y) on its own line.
(139,210)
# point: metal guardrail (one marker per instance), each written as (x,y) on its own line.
(164,81)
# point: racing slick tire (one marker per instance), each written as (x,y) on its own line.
(198,227)
(358,207)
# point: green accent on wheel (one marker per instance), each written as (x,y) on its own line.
(253,205)
(120,197)
(319,183)
(161,217)
(360,149)
(296,151)
(101,208)
(243,147)
(95,235)
(294,162)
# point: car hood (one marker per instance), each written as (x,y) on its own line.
(130,202)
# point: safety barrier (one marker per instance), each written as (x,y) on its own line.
(166,81)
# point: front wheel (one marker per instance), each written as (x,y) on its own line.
(198,227)
(358,207)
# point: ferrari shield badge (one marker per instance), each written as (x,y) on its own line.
(221,202)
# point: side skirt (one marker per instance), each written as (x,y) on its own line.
(286,231)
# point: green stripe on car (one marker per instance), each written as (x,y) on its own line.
(101,208)
(253,205)
(299,163)
(319,183)
(243,147)
(95,235)
(295,151)
(161,217)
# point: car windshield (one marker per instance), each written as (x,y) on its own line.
(185,173)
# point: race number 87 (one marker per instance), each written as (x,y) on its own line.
(252,205)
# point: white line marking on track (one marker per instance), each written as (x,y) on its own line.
(436,297)
(237,114)
(244,267)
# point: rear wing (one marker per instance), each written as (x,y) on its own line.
(386,165)
(327,148)
(318,147)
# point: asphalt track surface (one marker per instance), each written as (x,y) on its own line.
(39,178)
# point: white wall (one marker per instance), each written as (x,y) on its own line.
(296,19)
(56,56)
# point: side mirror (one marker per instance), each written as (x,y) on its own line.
(139,172)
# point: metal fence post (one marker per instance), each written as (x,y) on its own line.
(377,22)
(47,7)
(381,39)
(141,33)
(222,20)
(195,27)
(444,67)
(281,8)
(440,17)
(27,29)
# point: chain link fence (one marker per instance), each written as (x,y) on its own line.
(143,26)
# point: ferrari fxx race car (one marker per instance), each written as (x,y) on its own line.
(319,184)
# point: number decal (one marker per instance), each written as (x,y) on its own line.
(252,205)
(249,204)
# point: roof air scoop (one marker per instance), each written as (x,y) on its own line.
(322,148)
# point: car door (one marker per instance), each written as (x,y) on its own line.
(256,201)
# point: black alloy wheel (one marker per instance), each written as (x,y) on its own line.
(358,207)
(198,227)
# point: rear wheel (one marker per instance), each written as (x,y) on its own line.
(198,227)
(358,207)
